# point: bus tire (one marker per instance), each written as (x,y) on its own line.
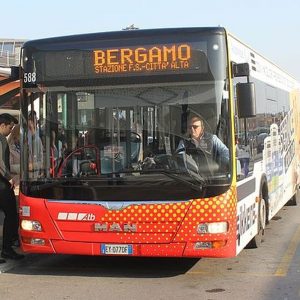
(262,222)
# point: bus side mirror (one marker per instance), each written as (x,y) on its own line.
(245,93)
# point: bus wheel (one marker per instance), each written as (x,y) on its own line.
(262,221)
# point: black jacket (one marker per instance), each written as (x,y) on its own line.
(5,175)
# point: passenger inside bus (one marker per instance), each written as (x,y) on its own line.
(54,153)
(61,139)
(35,145)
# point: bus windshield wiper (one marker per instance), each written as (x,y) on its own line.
(198,181)
(43,185)
(173,173)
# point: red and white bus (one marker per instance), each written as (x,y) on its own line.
(102,116)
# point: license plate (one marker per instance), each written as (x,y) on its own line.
(115,249)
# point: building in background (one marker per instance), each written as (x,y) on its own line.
(10,52)
(9,88)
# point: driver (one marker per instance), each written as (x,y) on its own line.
(207,142)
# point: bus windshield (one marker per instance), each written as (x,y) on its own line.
(130,124)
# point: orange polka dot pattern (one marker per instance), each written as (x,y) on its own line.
(176,222)
(157,223)
(214,209)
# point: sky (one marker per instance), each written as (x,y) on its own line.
(271,27)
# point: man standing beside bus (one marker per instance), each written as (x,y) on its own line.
(8,201)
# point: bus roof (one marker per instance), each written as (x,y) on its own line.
(124,34)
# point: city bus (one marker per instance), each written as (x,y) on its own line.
(102,116)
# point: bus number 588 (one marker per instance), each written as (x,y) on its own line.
(29,77)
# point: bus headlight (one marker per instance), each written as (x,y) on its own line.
(29,225)
(214,227)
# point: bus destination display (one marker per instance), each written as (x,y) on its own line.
(143,59)
(113,62)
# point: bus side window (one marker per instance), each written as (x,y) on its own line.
(239,172)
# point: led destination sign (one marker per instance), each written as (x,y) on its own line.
(155,58)
(118,62)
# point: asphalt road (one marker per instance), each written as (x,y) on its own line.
(270,272)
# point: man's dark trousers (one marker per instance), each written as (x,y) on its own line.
(9,207)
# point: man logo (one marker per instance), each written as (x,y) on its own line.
(115,227)
(76,216)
